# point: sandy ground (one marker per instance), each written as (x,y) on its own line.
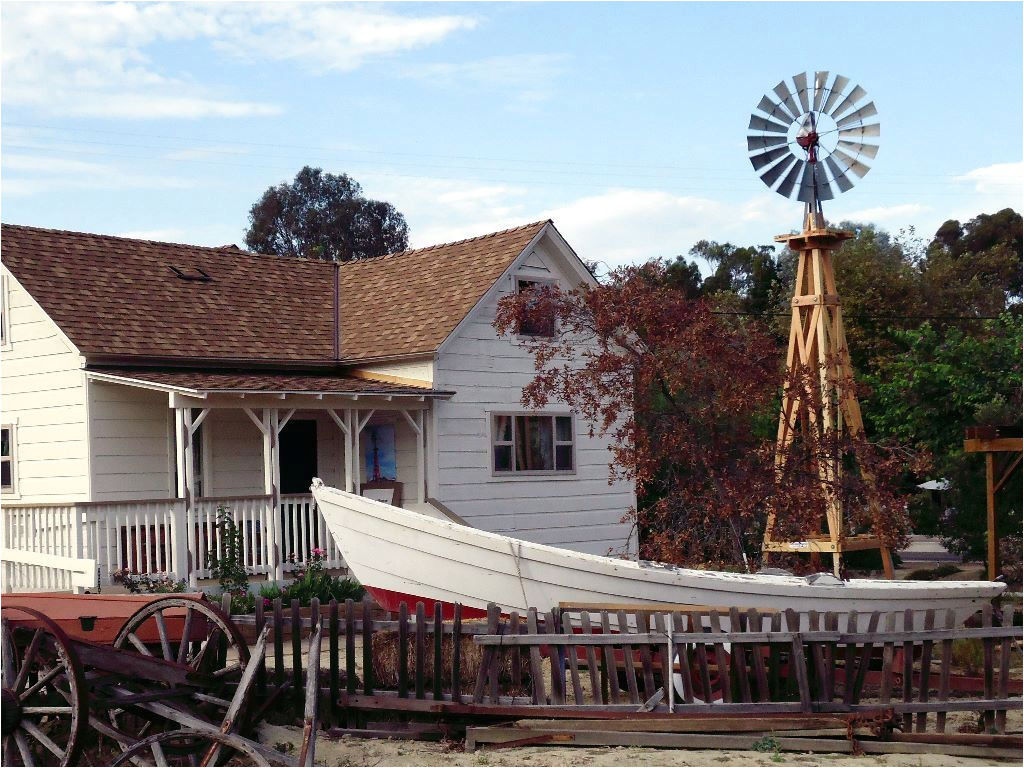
(349,751)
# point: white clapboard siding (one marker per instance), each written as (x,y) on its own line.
(578,511)
(44,399)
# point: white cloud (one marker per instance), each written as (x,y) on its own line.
(999,179)
(39,173)
(92,59)
(885,215)
(527,76)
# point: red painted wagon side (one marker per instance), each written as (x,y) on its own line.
(98,618)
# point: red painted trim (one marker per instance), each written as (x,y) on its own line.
(389,600)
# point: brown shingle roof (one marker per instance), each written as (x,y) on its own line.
(260,381)
(115,296)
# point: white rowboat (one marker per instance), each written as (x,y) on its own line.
(401,555)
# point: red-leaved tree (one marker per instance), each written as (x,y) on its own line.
(689,399)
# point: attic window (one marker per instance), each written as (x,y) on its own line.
(536,326)
(195,274)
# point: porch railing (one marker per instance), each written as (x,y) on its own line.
(160,538)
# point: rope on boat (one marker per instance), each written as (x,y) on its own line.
(515,559)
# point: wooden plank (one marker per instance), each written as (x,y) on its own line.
(831,653)
(721,659)
(261,672)
(457,654)
(908,669)
(926,671)
(278,642)
(595,677)
(421,650)
(488,654)
(850,659)
(403,650)
(628,659)
(296,633)
(701,655)
(754,624)
(367,648)
(311,707)
(684,656)
(643,620)
(818,657)
(797,662)
(516,661)
(666,660)
(661,723)
(855,688)
(556,658)
(333,638)
(350,646)
(738,656)
(536,668)
(944,670)
(774,661)
(987,655)
(438,665)
(572,660)
(888,650)
(494,671)
(611,668)
(1004,675)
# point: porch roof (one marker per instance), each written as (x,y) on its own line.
(203,382)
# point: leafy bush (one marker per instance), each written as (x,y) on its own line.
(969,655)
(316,582)
(1010,559)
(229,569)
(141,583)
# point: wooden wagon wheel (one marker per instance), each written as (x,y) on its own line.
(183,746)
(191,633)
(44,697)
(694,673)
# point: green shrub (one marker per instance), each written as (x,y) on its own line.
(229,570)
(137,583)
(921,574)
(946,569)
(969,654)
(312,582)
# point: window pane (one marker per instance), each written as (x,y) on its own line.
(503,458)
(534,443)
(563,429)
(503,429)
(563,457)
(5,474)
(5,442)
(542,325)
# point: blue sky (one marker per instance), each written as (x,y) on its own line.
(626,123)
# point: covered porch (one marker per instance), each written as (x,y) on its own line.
(245,446)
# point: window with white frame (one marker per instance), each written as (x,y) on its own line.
(543,326)
(8,480)
(532,443)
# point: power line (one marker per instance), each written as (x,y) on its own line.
(969,318)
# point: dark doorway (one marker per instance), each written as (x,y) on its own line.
(298,455)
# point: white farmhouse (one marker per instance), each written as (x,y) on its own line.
(146,385)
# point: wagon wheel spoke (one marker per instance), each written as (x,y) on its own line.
(23,748)
(161,627)
(139,645)
(33,730)
(158,754)
(26,664)
(200,658)
(186,631)
(9,671)
(40,683)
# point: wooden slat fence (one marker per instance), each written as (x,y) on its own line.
(569,663)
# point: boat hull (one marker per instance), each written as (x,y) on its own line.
(401,555)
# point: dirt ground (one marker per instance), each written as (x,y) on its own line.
(349,751)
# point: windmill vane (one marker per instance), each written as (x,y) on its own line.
(811,135)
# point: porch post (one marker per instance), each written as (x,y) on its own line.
(271,486)
(421,460)
(349,448)
(357,472)
(182,514)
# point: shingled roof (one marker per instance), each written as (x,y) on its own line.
(127,298)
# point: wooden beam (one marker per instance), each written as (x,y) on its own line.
(990,516)
(998,444)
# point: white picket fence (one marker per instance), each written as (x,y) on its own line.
(49,547)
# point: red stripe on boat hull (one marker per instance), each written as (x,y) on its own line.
(389,600)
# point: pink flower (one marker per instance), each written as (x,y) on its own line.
(319,552)
(266,602)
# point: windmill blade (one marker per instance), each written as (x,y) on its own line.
(861,132)
(801,91)
(854,96)
(761,160)
(869,150)
(839,177)
(837,90)
(770,176)
(772,109)
(782,91)
(760,124)
(868,110)
(854,165)
(786,187)
(820,79)
(813,185)
(763,142)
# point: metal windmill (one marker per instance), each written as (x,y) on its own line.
(808,139)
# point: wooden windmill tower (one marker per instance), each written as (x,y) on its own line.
(812,137)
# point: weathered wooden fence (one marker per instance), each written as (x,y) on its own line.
(564,663)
